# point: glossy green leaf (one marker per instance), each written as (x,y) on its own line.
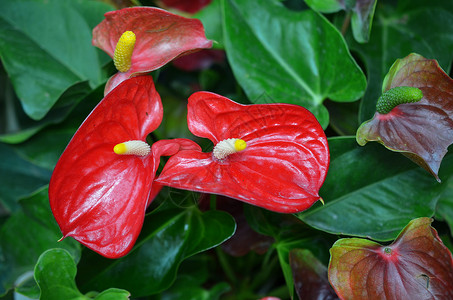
(211,17)
(25,235)
(305,63)
(372,192)
(167,238)
(417,265)
(18,177)
(55,274)
(24,127)
(397,33)
(43,53)
(445,205)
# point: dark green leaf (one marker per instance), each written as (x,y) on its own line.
(18,177)
(306,62)
(27,234)
(211,17)
(46,47)
(167,238)
(372,192)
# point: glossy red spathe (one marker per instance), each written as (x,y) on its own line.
(281,169)
(98,197)
(160,37)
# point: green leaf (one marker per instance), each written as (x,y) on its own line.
(45,46)
(445,204)
(55,272)
(397,33)
(305,63)
(18,177)
(24,127)
(362,12)
(211,17)
(167,238)
(25,235)
(372,192)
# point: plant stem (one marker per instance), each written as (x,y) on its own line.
(346,22)
(229,273)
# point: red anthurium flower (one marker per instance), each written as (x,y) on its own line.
(143,39)
(270,155)
(101,186)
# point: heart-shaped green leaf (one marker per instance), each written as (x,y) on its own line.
(25,235)
(372,192)
(167,238)
(422,130)
(305,63)
(417,265)
(45,46)
(55,274)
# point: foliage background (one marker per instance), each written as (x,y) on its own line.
(276,51)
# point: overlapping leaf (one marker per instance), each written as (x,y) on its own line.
(374,199)
(398,31)
(55,274)
(310,276)
(416,266)
(306,62)
(422,130)
(362,14)
(167,238)
(25,235)
(43,53)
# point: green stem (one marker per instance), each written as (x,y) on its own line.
(226,267)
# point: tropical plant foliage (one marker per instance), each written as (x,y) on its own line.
(248,150)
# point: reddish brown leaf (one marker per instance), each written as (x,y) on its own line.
(416,265)
(310,276)
(422,130)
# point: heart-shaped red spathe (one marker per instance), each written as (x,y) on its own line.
(98,197)
(416,266)
(160,37)
(282,168)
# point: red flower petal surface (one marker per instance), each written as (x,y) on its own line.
(98,197)
(160,36)
(416,266)
(190,6)
(282,168)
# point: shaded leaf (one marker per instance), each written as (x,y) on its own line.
(18,177)
(310,276)
(398,32)
(362,14)
(300,58)
(416,265)
(422,130)
(55,272)
(25,235)
(375,199)
(167,238)
(41,57)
